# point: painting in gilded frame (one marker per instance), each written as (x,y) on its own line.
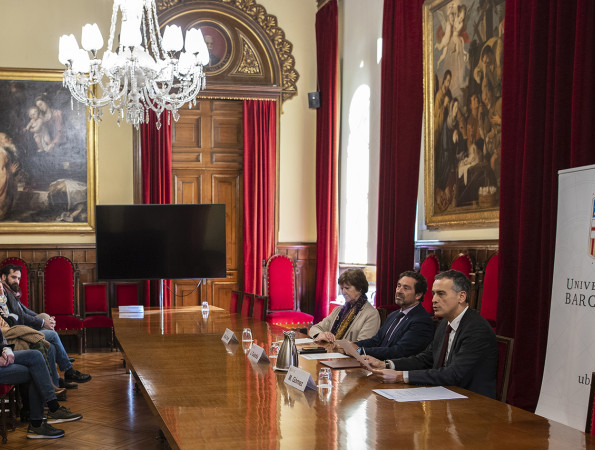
(463,44)
(47,155)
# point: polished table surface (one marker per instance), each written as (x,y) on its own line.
(207,393)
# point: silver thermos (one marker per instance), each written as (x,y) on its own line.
(288,354)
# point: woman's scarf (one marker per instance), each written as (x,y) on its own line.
(347,315)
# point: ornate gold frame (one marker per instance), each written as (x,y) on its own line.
(463,216)
(13,74)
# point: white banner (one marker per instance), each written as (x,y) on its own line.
(570,358)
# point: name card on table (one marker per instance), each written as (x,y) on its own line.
(228,337)
(131,312)
(299,379)
(257,354)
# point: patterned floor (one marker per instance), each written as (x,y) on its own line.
(115,416)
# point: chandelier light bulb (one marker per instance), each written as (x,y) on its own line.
(194,40)
(172,38)
(141,72)
(67,49)
(91,40)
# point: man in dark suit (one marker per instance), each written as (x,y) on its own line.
(464,351)
(407,331)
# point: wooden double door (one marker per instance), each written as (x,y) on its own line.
(207,167)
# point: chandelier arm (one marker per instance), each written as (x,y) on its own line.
(112,28)
(156,42)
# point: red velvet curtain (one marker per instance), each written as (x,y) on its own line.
(400,141)
(156,182)
(548,111)
(327,119)
(259,189)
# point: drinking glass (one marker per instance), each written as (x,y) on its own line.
(325,377)
(274,352)
(324,394)
(247,335)
(205,306)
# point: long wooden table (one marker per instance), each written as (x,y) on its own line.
(208,394)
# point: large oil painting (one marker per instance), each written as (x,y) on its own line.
(463,43)
(47,155)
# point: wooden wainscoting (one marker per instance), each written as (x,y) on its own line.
(304,257)
(478,251)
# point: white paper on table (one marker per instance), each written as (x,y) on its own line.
(300,341)
(323,355)
(349,350)
(419,394)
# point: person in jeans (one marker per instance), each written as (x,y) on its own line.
(15,313)
(28,366)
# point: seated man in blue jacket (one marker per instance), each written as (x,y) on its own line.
(406,331)
(15,313)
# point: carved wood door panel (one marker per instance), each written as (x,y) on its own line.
(207,153)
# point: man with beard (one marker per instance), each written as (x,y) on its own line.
(19,314)
(407,331)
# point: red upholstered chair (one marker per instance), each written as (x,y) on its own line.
(505,346)
(127,293)
(259,308)
(58,296)
(488,305)
(429,269)
(247,303)
(279,278)
(8,409)
(235,302)
(24,283)
(96,309)
(463,263)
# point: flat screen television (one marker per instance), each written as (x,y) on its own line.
(150,242)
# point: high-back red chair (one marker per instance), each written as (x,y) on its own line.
(58,296)
(463,264)
(247,303)
(259,308)
(429,268)
(283,310)
(96,309)
(235,302)
(24,283)
(127,293)
(488,307)
(505,347)
(8,411)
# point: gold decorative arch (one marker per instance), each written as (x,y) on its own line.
(255,17)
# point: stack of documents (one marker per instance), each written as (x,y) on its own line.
(419,394)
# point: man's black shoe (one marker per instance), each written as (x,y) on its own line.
(61,397)
(76,377)
(71,359)
(64,384)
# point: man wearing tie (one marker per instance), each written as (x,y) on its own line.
(464,351)
(407,331)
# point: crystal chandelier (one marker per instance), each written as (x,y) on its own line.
(144,72)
